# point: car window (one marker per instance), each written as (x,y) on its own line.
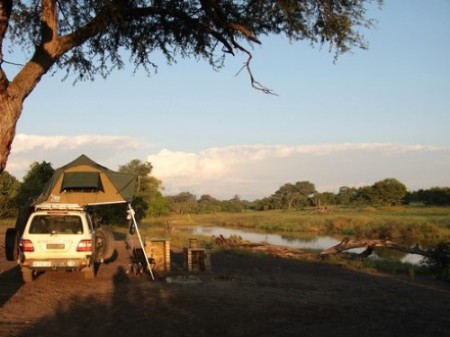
(51,224)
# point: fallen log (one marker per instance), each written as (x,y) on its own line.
(272,250)
(370,244)
(339,249)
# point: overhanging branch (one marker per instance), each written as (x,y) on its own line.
(255,84)
(222,37)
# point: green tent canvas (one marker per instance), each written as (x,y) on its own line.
(86,182)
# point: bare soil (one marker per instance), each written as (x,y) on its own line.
(244,295)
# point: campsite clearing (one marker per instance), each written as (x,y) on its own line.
(243,295)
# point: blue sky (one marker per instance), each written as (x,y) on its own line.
(373,114)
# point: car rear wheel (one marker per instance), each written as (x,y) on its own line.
(11,246)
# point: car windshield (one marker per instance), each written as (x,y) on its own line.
(51,224)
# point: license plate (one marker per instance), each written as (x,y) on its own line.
(55,245)
(42,263)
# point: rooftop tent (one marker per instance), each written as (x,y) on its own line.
(85,182)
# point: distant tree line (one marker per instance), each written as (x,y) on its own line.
(436,196)
(149,201)
(387,192)
(185,203)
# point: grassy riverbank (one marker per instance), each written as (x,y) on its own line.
(404,224)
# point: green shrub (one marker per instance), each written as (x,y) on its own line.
(439,261)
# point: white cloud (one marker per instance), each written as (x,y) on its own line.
(251,171)
(27,143)
(255,171)
(184,164)
(59,150)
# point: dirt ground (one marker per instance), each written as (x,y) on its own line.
(243,295)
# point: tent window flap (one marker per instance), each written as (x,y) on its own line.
(82,181)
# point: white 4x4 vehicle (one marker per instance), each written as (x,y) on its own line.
(61,237)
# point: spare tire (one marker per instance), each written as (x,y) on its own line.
(11,244)
(104,244)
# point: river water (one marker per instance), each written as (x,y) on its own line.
(317,243)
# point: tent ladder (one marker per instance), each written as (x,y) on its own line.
(131,213)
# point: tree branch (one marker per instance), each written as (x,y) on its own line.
(91,29)
(216,15)
(255,84)
(49,30)
(177,14)
(347,244)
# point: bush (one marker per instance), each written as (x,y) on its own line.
(439,261)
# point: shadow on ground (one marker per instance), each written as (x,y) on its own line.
(249,295)
(10,283)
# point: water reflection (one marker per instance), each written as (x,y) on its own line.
(412,258)
(317,243)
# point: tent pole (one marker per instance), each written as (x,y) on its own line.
(131,212)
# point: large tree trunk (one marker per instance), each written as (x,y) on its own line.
(10,111)
(6,136)
(12,96)
(53,46)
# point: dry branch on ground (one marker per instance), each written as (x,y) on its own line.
(370,244)
(340,249)
(278,251)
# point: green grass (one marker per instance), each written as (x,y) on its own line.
(403,224)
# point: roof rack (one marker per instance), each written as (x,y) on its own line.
(57,206)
